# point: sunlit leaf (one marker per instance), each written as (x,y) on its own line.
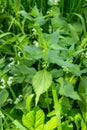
(51,124)
(41,82)
(34,119)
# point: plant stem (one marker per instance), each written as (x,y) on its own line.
(47,101)
(57,106)
(12,92)
(11,118)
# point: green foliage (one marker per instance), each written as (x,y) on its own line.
(43,65)
(41,83)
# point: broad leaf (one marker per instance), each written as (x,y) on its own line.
(51,124)
(34,120)
(53,57)
(33,51)
(41,82)
(3,97)
(67,90)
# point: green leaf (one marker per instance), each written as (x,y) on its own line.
(28,101)
(35,11)
(75,70)
(51,124)
(67,126)
(3,97)
(41,83)
(53,57)
(67,90)
(23,69)
(40,19)
(54,37)
(33,51)
(25,14)
(56,73)
(34,120)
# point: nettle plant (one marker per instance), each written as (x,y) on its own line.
(44,72)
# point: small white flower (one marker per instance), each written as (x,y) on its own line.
(9,100)
(19,54)
(20,96)
(11,64)
(16,101)
(50,29)
(11,59)
(2,80)
(2,86)
(34,31)
(65,69)
(9,82)
(36,43)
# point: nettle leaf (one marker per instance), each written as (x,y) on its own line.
(56,73)
(54,37)
(51,124)
(34,120)
(60,23)
(76,70)
(53,57)
(35,11)
(40,19)
(41,82)
(33,51)
(25,14)
(23,69)
(3,97)
(67,90)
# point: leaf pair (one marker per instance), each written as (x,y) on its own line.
(34,120)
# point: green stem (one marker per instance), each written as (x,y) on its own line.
(47,101)
(12,92)
(5,113)
(57,106)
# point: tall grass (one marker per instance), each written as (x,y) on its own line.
(67,8)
